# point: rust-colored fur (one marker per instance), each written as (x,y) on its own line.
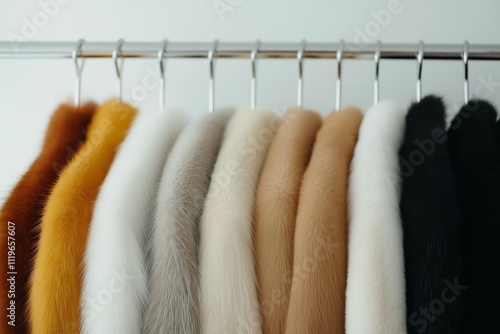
(317,298)
(54,300)
(276,210)
(24,206)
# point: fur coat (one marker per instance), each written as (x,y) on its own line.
(23,208)
(317,297)
(474,141)
(58,269)
(430,216)
(276,211)
(375,296)
(173,242)
(228,284)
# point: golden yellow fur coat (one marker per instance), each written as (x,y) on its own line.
(57,276)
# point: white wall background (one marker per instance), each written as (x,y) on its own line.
(31,89)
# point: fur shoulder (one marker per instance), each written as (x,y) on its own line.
(472,136)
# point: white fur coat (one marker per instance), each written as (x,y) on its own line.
(375,297)
(173,243)
(228,287)
(115,279)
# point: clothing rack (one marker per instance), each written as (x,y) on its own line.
(257,50)
(58,50)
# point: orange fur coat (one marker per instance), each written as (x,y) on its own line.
(24,206)
(57,276)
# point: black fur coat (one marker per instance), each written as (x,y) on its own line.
(474,147)
(431,223)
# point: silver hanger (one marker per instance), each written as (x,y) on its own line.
(253,83)
(118,67)
(79,68)
(465,58)
(420,61)
(338,93)
(161,65)
(211,84)
(378,50)
(300,87)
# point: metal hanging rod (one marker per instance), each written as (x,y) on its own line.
(60,50)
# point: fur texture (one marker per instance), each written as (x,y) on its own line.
(276,210)
(57,275)
(474,148)
(24,206)
(228,285)
(375,297)
(115,255)
(431,221)
(174,282)
(317,297)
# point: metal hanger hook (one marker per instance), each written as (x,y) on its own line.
(79,68)
(117,52)
(338,93)
(465,58)
(300,86)
(161,65)
(378,50)
(212,54)
(420,61)
(253,83)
